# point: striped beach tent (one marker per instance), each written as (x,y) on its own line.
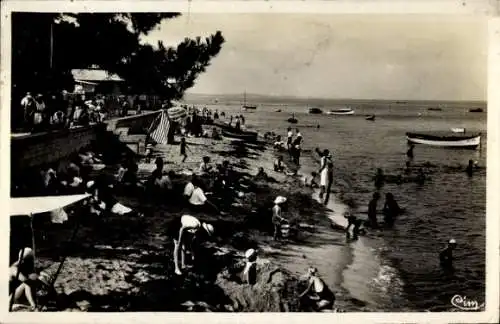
(177,114)
(160,133)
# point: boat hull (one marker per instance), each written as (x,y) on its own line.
(453,141)
(246,136)
(351,112)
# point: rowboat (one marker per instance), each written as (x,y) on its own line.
(371,117)
(476,110)
(445,139)
(435,109)
(243,135)
(315,111)
(341,111)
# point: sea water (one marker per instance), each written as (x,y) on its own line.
(398,269)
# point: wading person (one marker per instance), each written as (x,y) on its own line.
(187,231)
(470,168)
(379,178)
(318,295)
(446,255)
(277,218)
(409,153)
(372,210)
(391,210)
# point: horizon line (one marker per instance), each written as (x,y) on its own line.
(330,98)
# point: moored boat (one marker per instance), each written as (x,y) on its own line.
(371,117)
(315,111)
(243,135)
(476,110)
(445,139)
(341,111)
(435,109)
(458,130)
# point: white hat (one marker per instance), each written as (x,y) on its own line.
(249,253)
(209,228)
(279,200)
(452,241)
(27,253)
(312,270)
(90,183)
(76,182)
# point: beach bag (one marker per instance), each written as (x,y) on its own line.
(285,230)
(58,216)
(37,118)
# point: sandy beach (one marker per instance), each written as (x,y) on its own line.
(124,262)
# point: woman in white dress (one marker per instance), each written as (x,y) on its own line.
(323,172)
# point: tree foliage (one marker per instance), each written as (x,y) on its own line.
(109,40)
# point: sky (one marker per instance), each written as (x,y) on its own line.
(339,56)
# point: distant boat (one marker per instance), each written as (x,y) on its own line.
(458,130)
(445,139)
(245,105)
(341,111)
(476,110)
(371,117)
(243,135)
(278,110)
(292,120)
(435,109)
(315,111)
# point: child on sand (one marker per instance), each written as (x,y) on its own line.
(183,149)
(249,274)
(277,219)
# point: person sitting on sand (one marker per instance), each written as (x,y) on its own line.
(186,231)
(196,197)
(446,255)
(317,292)
(205,166)
(311,180)
(279,166)
(278,143)
(372,210)
(391,210)
(261,175)
(22,278)
(277,219)
(249,274)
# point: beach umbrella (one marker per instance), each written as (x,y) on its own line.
(177,114)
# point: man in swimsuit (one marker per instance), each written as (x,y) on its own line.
(185,232)
(318,292)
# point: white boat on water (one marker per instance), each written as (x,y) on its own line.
(341,111)
(458,130)
(453,140)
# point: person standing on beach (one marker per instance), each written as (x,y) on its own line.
(323,172)
(277,219)
(183,147)
(186,231)
(289,138)
(372,210)
(329,181)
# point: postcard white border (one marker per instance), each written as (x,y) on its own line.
(487,9)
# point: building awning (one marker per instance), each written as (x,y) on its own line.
(26,206)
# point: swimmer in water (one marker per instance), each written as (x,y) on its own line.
(470,168)
(446,255)
(317,292)
(409,153)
